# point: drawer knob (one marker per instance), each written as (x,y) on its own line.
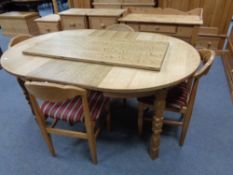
(103,26)
(48,30)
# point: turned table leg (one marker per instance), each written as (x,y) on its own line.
(157,123)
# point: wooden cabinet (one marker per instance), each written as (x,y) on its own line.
(14,23)
(172,22)
(50,23)
(102,18)
(74,22)
(216,14)
(74,19)
(90,18)
(101,22)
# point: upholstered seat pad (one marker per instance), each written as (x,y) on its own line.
(71,110)
(176,98)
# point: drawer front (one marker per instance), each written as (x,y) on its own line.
(158,28)
(101,22)
(108,6)
(207,42)
(184,31)
(134,26)
(74,22)
(46,27)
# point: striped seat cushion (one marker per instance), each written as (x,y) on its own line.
(72,110)
(176,97)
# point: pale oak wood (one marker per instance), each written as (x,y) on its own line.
(207,57)
(123,3)
(15,40)
(49,23)
(77,18)
(120,27)
(217,13)
(139,54)
(164,16)
(55,6)
(58,93)
(184,25)
(24,20)
(181,62)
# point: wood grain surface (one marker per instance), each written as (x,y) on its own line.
(181,61)
(137,54)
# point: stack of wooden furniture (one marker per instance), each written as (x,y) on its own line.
(123,3)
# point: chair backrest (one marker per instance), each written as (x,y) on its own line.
(53,92)
(120,27)
(17,39)
(207,58)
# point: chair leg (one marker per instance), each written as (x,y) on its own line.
(46,135)
(42,125)
(109,122)
(21,83)
(140,118)
(186,121)
(91,140)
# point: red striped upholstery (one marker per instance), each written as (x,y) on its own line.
(72,110)
(176,98)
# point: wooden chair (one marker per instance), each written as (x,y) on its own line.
(120,27)
(15,40)
(181,98)
(70,104)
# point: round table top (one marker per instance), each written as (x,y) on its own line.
(181,61)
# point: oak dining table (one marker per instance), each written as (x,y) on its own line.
(56,62)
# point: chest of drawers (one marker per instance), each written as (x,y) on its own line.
(102,18)
(14,23)
(74,19)
(171,22)
(89,18)
(50,23)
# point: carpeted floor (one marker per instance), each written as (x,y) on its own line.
(207,151)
